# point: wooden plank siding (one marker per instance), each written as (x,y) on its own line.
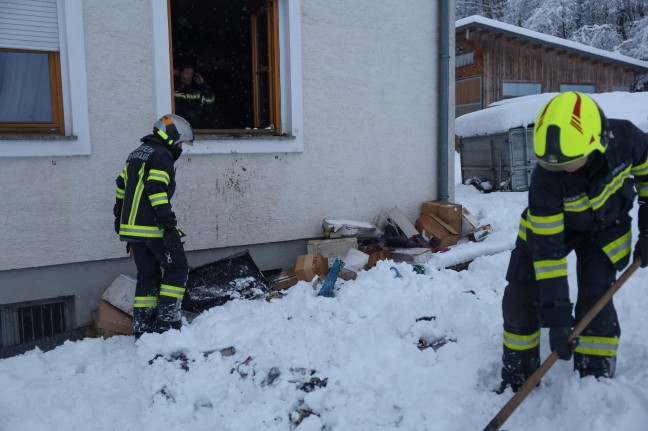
(502,58)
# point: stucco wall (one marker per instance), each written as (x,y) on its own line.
(369,88)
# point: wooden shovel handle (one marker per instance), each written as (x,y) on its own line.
(535,378)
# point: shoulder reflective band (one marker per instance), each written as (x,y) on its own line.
(619,248)
(597,346)
(521,342)
(158,175)
(545,269)
(173,291)
(547,225)
(159,199)
(610,188)
(119,194)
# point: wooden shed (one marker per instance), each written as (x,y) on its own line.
(496,61)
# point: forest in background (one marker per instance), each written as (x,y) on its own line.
(614,25)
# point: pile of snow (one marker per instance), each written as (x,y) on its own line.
(419,352)
(522,112)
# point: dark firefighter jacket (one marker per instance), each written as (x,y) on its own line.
(144,190)
(593,201)
(190,99)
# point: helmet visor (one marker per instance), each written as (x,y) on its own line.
(570,166)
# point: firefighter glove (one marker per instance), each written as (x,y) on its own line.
(641,249)
(558,341)
(171,239)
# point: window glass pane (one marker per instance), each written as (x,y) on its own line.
(25,87)
(212,49)
(577,87)
(464,59)
(517,89)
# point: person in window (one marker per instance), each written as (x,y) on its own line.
(192,95)
(145,219)
(589,171)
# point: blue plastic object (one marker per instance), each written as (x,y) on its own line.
(395,271)
(329,282)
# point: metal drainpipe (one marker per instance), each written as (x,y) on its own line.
(444,97)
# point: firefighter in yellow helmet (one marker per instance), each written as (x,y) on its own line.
(589,171)
(145,219)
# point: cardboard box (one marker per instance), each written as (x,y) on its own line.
(285,280)
(310,265)
(469,223)
(121,293)
(411,255)
(433,227)
(332,248)
(376,256)
(396,216)
(448,212)
(111,318)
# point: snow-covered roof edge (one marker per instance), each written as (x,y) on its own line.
(480,21)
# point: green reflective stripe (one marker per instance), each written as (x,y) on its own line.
(187,96)
(137,197)
(208,100)
(120,193)
(642,189)
(173,291)
(124,172)
(641,169)
(159,199)
(522,230)
(611,188)
(545,269)
(597,346)
(145,301)
(577,206)
(619,248)
(140,231)
(547,225)
(521,342)
(157,175)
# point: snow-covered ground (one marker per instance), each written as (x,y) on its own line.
(352,361)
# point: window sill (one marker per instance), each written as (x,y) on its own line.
(43,146)
(37,138)
(242,144)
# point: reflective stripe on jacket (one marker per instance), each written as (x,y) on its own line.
(595,200)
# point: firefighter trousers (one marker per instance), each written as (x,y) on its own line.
(596,351)
(161,280)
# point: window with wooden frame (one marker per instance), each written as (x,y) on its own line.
(225,65)
(31,101)
(30,93)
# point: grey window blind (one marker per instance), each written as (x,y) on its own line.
(29,24)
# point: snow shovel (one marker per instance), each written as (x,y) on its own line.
(534,379)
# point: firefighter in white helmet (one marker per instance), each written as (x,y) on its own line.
(145,219)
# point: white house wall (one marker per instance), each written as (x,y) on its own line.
(369,123)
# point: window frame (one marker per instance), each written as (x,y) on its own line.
(577,87)
(57,126)
(74,98)
(503,96)
(290,87)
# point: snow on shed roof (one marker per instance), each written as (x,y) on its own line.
(507,114)
(476,21)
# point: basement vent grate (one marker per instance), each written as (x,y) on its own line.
(27,322)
